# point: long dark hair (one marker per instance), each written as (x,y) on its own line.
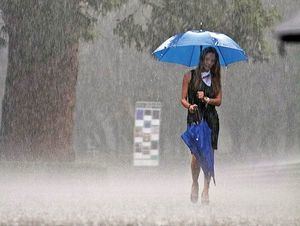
(215,71)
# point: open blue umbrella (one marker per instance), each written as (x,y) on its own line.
(185,48)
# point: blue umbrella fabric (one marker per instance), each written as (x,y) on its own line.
(185,48)
(198,138)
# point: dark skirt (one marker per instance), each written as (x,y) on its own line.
(212,119)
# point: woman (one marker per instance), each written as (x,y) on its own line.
(201,89)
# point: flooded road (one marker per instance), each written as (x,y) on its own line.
(252,194)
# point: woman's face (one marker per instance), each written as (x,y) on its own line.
(209,61)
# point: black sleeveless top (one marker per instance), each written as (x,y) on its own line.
(209,112)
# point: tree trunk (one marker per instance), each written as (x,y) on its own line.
(38,105)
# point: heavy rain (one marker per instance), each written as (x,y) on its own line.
(74,76)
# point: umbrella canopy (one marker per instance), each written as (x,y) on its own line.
(289,31)
(185,48)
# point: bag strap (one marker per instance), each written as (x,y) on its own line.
(199,117)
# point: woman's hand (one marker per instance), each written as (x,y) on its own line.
(206,100)
(200,95)
(192,108)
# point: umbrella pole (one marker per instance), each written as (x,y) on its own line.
(200,51)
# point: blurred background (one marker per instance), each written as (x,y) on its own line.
(71,73)
(259,115)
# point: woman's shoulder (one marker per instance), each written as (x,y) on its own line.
(188,75)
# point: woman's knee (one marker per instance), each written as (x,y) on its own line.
(195,163)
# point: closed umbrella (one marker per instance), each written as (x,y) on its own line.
(198,138)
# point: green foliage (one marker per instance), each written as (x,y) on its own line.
(51,26)
(247,23)
(244,20)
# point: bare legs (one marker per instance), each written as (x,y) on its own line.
(195,167)
(204,195)
(195,175)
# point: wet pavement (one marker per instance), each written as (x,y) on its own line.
(266,194)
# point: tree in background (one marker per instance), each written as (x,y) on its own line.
(244,20)
(39,99)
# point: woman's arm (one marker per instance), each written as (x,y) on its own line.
(184,92)
(214,101)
